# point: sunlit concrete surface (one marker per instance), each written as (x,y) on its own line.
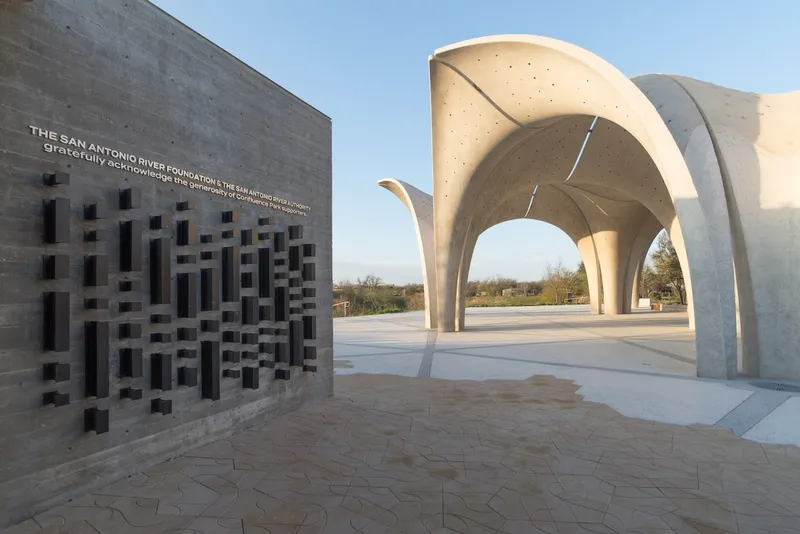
(641,365)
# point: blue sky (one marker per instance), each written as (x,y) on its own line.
(364,63)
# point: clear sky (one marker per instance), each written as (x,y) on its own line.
(365,64)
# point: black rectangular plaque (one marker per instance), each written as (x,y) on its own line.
(248,237)
(96,359)
(230,274)
(160,271)
(130,330)
(250,310)
(130,252)
(231,356)
(266,272)
(56,266)
(187,376)
(296,343)
(96,270)
(131,393)
(161,371)
(309,327)
(311,353)
(189,354)
(56,178)
(187,232)
(161,405)
(209,289)
(130,362)
(130,199)
(281,353)
(279,241)
(160,222)
(55,398)
(248,280)
(309,272)
(187,334)
(56,321)
(210,369)
(95,420)
(130,285)
(160,318)
(125,307)
(56,221)
(249,338)
(57,372)
(209,325)
(96,303)
(295,258)
(250,377)
(281,303)
(187,295)
(231,336)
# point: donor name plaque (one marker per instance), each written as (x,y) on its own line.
(65,145)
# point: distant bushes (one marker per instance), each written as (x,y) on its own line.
(661,280)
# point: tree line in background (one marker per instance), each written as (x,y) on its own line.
(661,281)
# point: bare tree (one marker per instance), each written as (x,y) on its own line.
(559,281)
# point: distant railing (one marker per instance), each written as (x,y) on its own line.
(345,305)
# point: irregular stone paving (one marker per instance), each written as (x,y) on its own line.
(390,454)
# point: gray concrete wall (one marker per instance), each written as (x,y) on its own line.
(124,75)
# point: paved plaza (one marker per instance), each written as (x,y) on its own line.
(534,420)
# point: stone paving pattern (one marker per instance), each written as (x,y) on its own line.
(391,454)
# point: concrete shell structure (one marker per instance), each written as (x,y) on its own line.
(718,168)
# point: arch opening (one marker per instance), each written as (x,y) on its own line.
(495,99)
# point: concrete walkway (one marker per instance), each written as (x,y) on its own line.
(642,365)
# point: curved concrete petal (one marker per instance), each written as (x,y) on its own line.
(420,205)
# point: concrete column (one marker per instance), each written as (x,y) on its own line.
(612,271)
(589,257)
(637,282)
(463,282)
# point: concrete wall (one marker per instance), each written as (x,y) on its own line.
(126,76)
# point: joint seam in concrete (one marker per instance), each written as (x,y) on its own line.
(427,356)
(751,411)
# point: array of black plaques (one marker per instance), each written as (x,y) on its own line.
(217,280)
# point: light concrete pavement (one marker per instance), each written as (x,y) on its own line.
(641,365)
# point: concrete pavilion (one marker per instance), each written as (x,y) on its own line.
(718,168)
